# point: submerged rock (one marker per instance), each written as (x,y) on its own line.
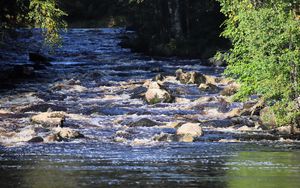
(157,94)
(39,58)
(42,108)
(190,77)
(144,122)
(49,119)
(138,92)
(37,139)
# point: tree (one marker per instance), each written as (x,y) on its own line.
(43,14)
(265,57)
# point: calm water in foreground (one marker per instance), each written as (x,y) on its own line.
(101,163)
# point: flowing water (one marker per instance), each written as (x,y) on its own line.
(107,74)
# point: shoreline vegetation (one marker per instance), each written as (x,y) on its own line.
(258,41)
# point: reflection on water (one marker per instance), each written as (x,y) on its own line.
(178,164)
(264,169)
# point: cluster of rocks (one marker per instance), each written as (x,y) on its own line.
(52,124)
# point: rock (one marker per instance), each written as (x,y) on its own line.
(53,138)
(243,121)
(123,134)
(284,130)
(39,58)
(163,137)
(251,108)
(23,71)
(222,123)
(49,119)
(138,92)
(144,122)
(37,139)
(156,94)
(67,133)
(192,129)
(267,117)
(211,79)
(211,88)
(174,124)
(190,77)
(205,99)
(159,77)
(216,62)
(186,138)
(230,89)
(234,113)
(42,108)
(182,100)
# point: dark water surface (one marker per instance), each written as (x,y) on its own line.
(99,162)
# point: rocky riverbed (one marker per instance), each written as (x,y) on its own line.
(93,91)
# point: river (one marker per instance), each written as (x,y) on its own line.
(94,57)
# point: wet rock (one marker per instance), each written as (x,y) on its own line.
(159,77)
(49,119)
(267,117)
(193,129)
(39,58)
(43,108)
(223,123)
(123,134)
(37,139)
(186,138)
(67,133)
(204,99)
(210,88)
(22,71)
(164,137)
(230,89)
(243,121)
(234,113)
(182,100)
(144,122)
(138,92)
(157,94)
(174,124)
(71,88)
(211,79)
(190,77)
(53,138)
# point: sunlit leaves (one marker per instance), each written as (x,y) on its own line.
(265,55)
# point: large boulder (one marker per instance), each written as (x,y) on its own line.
(189,131)
(157,94)
(49,119)
(190,77)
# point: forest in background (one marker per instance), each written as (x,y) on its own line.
(263,56)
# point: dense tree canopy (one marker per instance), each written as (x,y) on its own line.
(265,57)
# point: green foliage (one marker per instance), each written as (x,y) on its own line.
(45,15)
(265,57)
